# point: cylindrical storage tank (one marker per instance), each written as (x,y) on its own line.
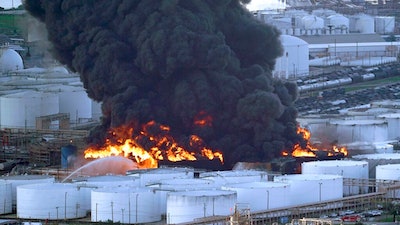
(323,12)
(10,60)
(87,184)
(384,24)
(5,197)
(261,195)
(338,21)
(312,22)
(363,23)
(383,147)
(319,128)
(361,148)
(107,181)
(350,131)
(125,205)
(388,173)
(68,156)
(148,176)
(297,31)
(349,169)
(393,121)
(187,206)
(386,104)
(163,187)
(20,110)
(294,61)
(51,201)
(75,102)
(221,178)
(367,113)
(312,188)
(16,181)
(375,160)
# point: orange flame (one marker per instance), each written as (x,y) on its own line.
(309,150)
(203,119)
(162,147)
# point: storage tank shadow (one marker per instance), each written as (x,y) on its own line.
(68,156)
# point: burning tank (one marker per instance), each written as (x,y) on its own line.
(291,162)
(181,80)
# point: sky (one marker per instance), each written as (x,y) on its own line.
(9,3)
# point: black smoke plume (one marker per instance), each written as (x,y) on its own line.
(173,60)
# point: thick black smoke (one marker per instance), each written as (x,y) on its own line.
(173,60)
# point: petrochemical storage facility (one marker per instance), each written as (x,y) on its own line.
(46,114)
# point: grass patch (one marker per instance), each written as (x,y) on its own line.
(372,83)
(11,24)
(386,218)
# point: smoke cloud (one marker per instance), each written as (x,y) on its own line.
(172,61)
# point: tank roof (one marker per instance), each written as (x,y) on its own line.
(378,156)
(26,177)
(202,193)
(258,185)
(390,166)
(305,177)
(336,163)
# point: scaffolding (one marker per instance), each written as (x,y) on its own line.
(38,146)
(241,215)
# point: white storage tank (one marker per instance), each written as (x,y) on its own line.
(362,23)
(358,148)
(261,195)
(323,12)
(87,184)
(10,60)
(388,172)
(106,181)
(319,128)
(294,62)
(52,201)
(163,187)
(377,159)
(18,180)
(367,113)
(148,176)
(384,24)
(5,197)
(387,104)
(20,110)
(75,102)
(383,147)
(351,169)
(312,22)
(96,111)
(125,205)
(312,188)
(338,23)
(393,121)
(187,206)
(349,131)
(221,178)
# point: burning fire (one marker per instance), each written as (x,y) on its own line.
(309,150)
(203,119)
(160,145)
